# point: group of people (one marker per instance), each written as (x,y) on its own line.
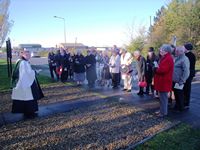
(173,74)
(167,75)
(170,72)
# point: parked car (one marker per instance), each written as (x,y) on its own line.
(35,54)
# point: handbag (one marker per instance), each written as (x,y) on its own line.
(127,68)
(59,70)
(142,84)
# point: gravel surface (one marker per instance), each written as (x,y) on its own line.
(57,92)
(109,125)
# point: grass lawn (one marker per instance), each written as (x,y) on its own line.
(182,137)
(5,81)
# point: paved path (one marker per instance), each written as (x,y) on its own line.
(191,116)
(148,103)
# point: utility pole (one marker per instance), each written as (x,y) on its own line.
(64,28)
(75,43)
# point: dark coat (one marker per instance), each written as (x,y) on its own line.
(163,74)
(192,60)
(90,70)
(51,59)
(150,67)
(79,64)
(58,59)
(141,68)
(65,61)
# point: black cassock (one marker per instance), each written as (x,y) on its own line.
(91,75)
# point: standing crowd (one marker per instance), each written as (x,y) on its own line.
(167,75)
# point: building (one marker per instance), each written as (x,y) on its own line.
(73,46)
(33,48)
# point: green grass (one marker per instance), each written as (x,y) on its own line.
(182,137)
(5,81)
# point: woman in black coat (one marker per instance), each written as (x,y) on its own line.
(79,68)
(151,57)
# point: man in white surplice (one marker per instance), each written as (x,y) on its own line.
(126,69)
(26,89)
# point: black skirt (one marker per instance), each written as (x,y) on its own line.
(30,106)
(26,107)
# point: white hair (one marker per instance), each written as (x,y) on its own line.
(136,53)
(166,48)
(180,49)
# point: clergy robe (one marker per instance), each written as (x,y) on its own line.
(26,89)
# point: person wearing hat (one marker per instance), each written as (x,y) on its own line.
(25,87)
(151,57)
(163,78)
(187,86)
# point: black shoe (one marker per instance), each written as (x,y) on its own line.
(140,93)
(128,91)
(124,89)
(115,87)
(30,115)
(186,107)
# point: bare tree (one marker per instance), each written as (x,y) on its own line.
(5,24)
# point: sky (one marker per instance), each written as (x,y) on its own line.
(91,22)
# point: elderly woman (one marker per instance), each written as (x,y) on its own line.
(141,69)
(79,68)
(26,89)
(163,77)
(180,75)
(126,69)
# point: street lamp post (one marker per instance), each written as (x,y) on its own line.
(64,27)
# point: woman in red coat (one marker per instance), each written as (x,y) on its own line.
(163,77)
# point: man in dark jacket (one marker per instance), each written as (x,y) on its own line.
(52,64)
(187,86)
(58,64)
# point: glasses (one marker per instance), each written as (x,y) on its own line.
(161,50)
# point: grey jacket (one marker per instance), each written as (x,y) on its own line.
(181,69)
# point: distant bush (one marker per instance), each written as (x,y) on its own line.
(43,53)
